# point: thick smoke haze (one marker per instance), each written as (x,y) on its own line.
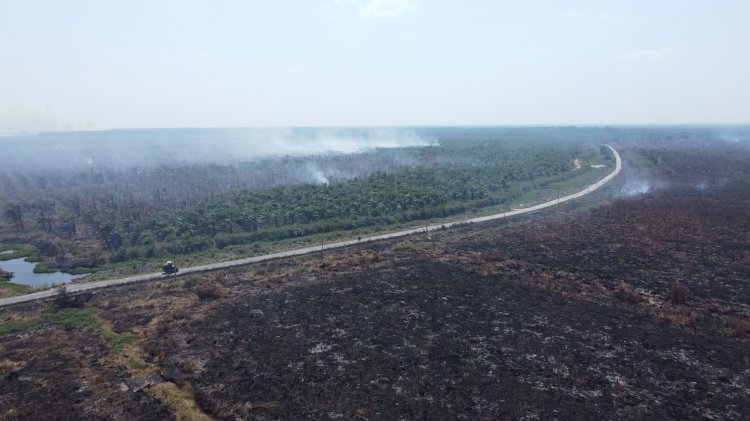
(121,149)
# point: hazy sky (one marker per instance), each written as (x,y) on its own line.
(69,65)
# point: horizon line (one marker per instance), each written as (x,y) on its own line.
(370,127)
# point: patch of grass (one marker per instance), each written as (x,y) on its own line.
(42,267)
(19,250)
(138,364)
(406,246)
(98,276)
(117,341)
(82,317)
(12,326)
(80,271)
(9,289)
(181,401)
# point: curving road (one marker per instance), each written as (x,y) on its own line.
(73,288)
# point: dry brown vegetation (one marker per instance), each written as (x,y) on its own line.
(639,308)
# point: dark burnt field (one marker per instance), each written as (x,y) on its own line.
(433,341)
(616,307)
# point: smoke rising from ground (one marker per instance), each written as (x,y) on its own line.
(639,181)
(317,176)
(122,149)
(635,187)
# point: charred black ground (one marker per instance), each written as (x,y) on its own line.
(432,341)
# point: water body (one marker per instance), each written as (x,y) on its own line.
(7,252)
(23,273)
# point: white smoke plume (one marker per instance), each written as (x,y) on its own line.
(150,148)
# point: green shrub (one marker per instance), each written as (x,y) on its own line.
(81,317)
(117,341)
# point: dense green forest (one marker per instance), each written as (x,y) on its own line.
(443,180)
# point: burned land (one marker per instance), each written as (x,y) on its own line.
(620,305)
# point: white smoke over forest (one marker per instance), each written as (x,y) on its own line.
(149,148)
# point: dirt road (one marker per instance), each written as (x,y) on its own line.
(73,288)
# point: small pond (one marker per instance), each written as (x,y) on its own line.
(23,273)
